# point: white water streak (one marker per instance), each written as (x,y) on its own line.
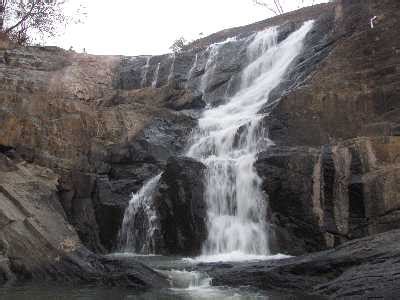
(133,236)
(144,72)
(155,78)
(192,69)
(172,68)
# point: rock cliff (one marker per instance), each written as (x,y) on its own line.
(80,133)
(332,175)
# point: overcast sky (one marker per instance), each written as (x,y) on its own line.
(135,27)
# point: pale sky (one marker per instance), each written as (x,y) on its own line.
(139,27)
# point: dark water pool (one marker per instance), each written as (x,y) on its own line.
(186,283)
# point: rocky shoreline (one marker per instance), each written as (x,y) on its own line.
(361,269)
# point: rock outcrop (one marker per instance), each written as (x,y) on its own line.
(321,197)
(38,243)
(63,111)
(180,207)
(361,269)
(82,145)
(80,133)
(353,91)
(332,175)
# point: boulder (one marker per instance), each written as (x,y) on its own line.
(288,176)
(180,207)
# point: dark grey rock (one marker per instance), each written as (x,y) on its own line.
(180,206)
(361,269)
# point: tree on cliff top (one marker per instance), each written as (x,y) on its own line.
(178,45)
(20,20)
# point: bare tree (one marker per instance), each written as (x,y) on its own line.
(19,18)
(178,45)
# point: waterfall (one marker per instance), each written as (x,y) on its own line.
(211,64)
(144,72)
(140,221)
(228,140)
(172,68)
(192,69)
(155,78)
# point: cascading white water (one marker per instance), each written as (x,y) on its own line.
(144,72)
(172,68)
(228,140)
(211,63)
(155,78)
(135,235)
(192,69)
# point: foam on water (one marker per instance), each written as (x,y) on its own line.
(235,256)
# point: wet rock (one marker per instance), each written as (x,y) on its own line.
(38,243)
(321,197)
(180,207)
(360,269)
(288,180)
(63,111)
(352,91)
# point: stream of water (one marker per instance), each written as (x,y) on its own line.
(227,142)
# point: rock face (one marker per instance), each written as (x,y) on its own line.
(180,207)
(332,175)
(62,110)
(320,197)
(83,144)
(38,243)
(80,133)
(353,92)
